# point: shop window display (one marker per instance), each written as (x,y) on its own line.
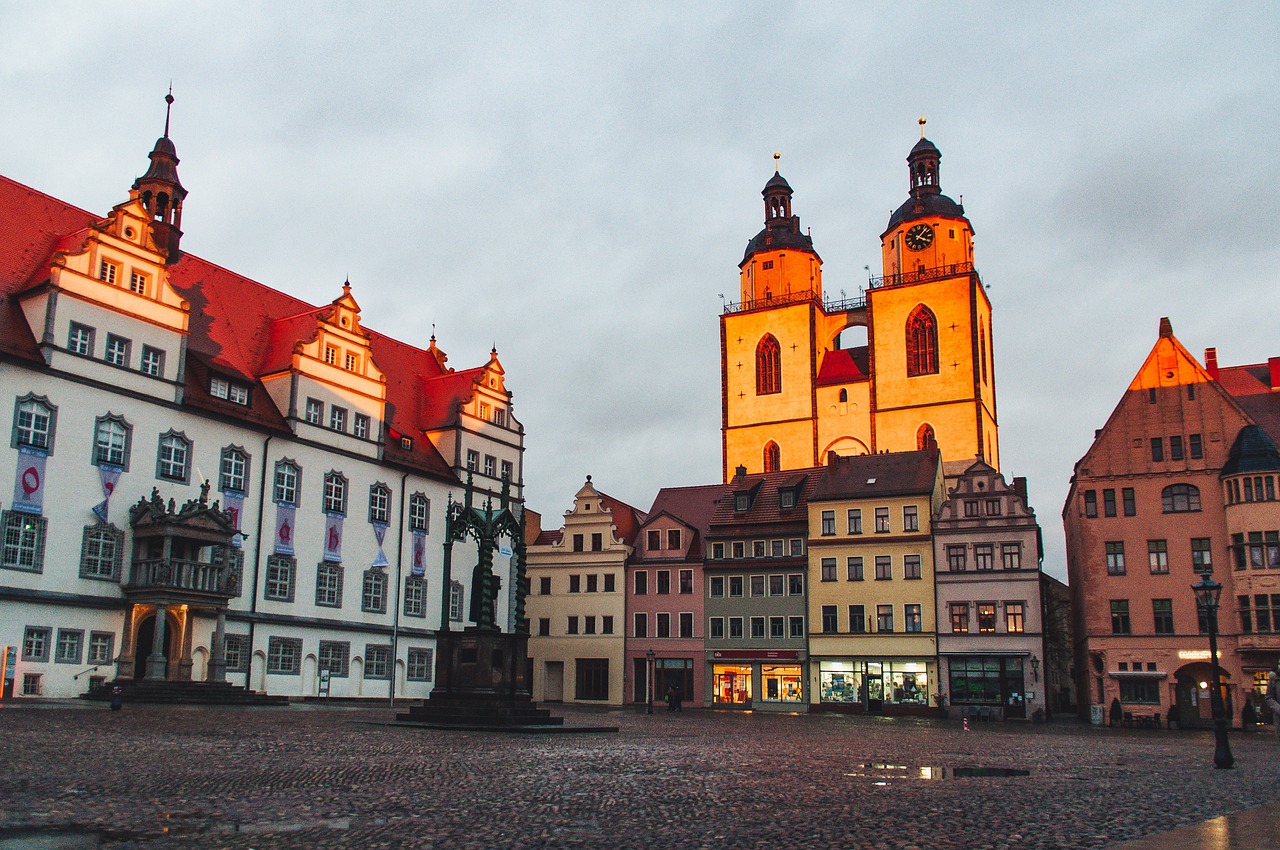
(732,684)
(782,683)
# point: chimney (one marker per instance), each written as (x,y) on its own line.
(1020,487)
(831,458)
(1211,362)
(740,473)
(1166,328)
(1273,365)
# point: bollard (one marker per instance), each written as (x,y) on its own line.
(117,698)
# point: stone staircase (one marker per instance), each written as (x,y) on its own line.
(474,711)
(183,693)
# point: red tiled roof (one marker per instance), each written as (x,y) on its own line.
(766,507)
(694,506)
(844,366)
(238,326)
(443,395)
(1250,386)
(625,518)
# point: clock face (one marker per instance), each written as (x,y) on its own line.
(919,237)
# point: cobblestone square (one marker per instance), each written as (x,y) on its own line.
(308,776)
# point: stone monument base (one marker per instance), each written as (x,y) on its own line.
(482,682)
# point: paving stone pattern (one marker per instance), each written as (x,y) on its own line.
(182,777)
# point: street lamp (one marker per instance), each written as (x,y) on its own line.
(649,656)
(1035,668)
(1207,592)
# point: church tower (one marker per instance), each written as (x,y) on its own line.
(930,327)
(791,395)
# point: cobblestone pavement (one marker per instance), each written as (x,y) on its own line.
(304,776)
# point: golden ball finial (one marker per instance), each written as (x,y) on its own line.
(921,122)
(777,155)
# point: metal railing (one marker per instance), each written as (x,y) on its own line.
(921,275)
(804,297)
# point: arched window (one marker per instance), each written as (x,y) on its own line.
(769,366)
(982,348)
(922,342)
(1181,498)
(772,457)
(844,396)
(925,438)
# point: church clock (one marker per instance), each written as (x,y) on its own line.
(919,237)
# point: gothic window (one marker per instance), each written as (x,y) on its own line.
(925,438)
(922,342)
(173,460)
(285,490)
(335,493)
(111,441)
(982,348)
(33,422)
(233,470)
(772,461)
(769,366)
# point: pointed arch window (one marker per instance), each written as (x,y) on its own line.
(772,457)
(768,366)
(925,438)
(982,348)
(922,342)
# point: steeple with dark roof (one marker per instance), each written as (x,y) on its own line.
(781,228)
(1252,451)
(162,193)
(927,200)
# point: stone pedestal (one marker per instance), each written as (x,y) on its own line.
(481,682)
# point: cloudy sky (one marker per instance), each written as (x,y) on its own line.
(576,184)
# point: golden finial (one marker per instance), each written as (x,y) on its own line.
(777,155)
(922,123)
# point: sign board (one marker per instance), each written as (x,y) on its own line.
(1095,715)
(324,683)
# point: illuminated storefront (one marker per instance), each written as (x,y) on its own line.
(988,680)
(744,679)
(887,685)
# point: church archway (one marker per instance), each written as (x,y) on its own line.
(845,447)
(772,457)
(768,366)
(922,342)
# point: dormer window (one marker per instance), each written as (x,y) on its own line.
(742,502)
(229,390)
(330,355)
(108,271)
(484,411)
(406,443)
(786,499)
(138,283)
(500,417)
(352,362)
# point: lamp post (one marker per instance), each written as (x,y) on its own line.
(1035,668)
(649,656)
(1207,592)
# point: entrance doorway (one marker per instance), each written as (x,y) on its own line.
(1193,695)
(874,683)
(143,644)
(553,682)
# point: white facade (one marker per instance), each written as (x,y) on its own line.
(172,374)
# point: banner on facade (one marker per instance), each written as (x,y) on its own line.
(28,484)
(233,503)
(419,566)
(380,532)
(284,529)
(333,537)
(109,476)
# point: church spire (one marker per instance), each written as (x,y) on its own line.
(162,193)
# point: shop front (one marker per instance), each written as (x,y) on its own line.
(877,686)
(770,680)
(993,686)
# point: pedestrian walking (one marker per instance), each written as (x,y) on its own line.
(677,698)
(671,698)
(1273,700)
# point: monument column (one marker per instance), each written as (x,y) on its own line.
(157,664)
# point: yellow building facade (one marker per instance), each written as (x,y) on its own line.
(873,642)
(791,395)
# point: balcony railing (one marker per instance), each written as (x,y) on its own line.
(807,296)
(921,275)
(179,575)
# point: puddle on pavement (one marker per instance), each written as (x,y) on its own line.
(881,772)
